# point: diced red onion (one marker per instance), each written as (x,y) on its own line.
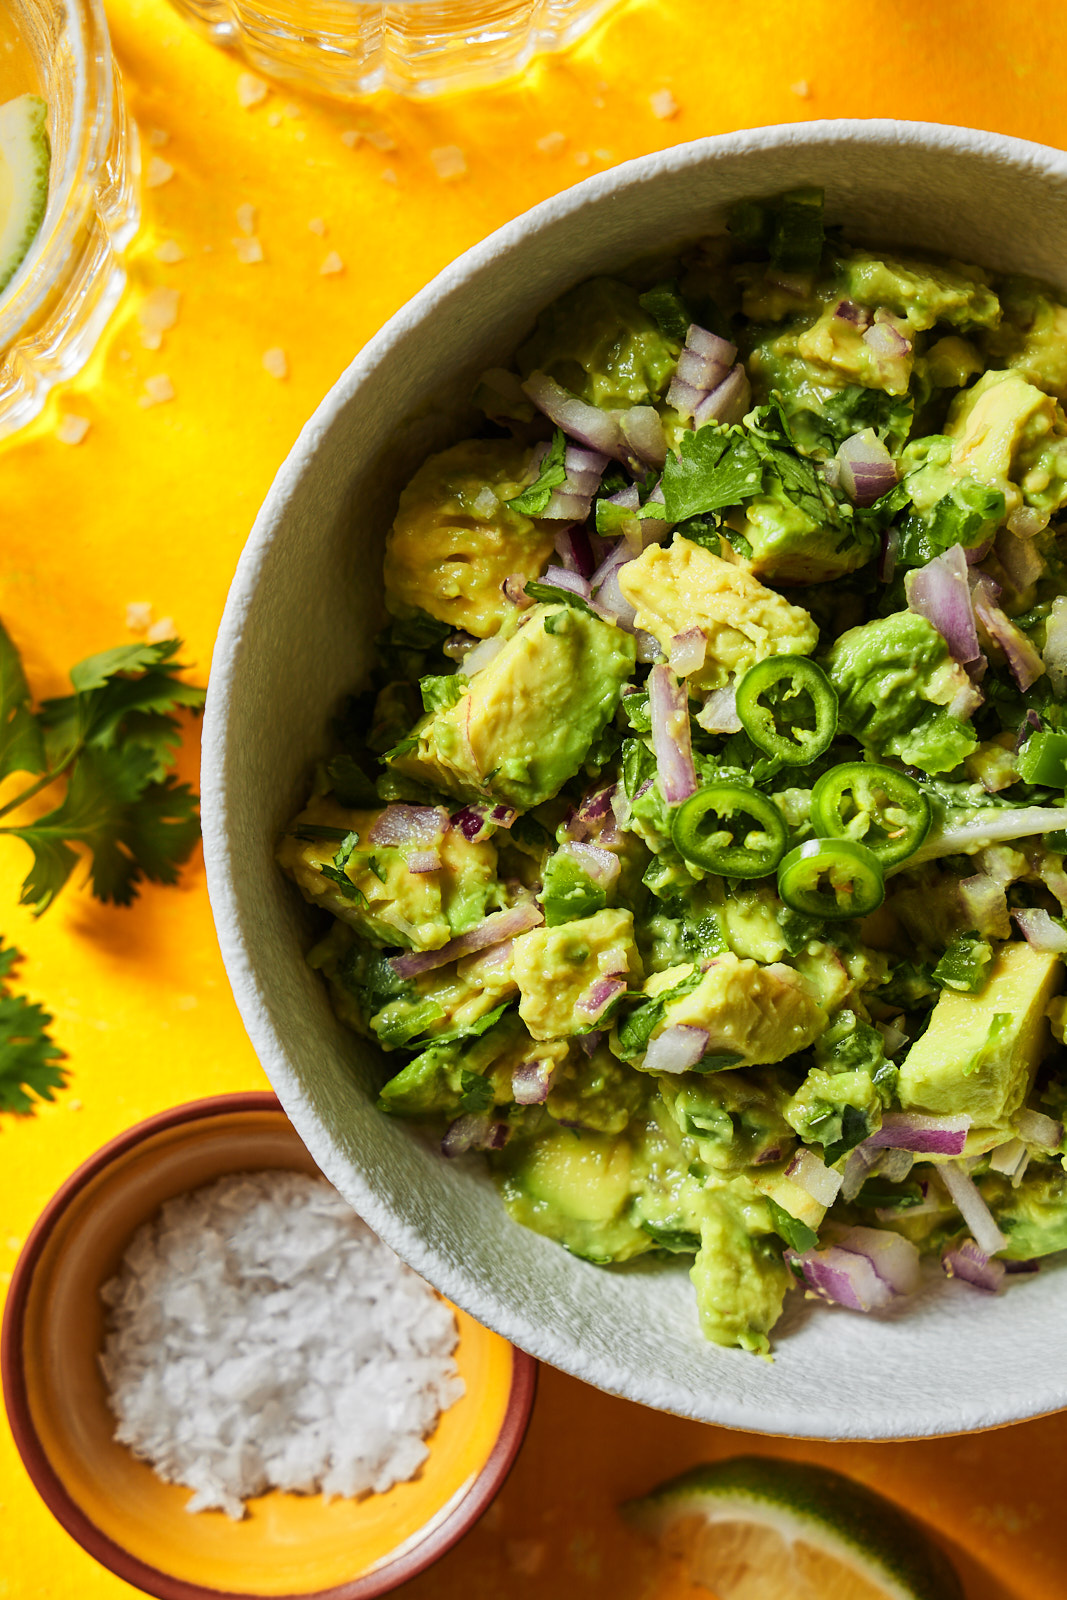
(684,397)
(575,551)
(894,1165)
(1055,651)
(968,1262)
(642,429)
(474,1131)
(560,578)
(728,401)
(484,652)
(563,506)
(971,1207)
(867,470)
(1007,1158)
(856,1170)
(598,430)
(892,1037)
(985,905)
(531,1082)
(458,645)
(493,930)
(627,498)
(1036,1128)
(585,468)
(676,1049)
(814,1177)
(601,866)
(424,861)
(514,587)
(894,1258)
(599,996)
(1019,557)
(843,1278)
(688,651)
(1025,663)
(403,824)
(849,311)
(1039,930)
(925,1135)
(588,1043)
(887,560)
(1026,522)
(885,340)
(654,529)
(648,648)
(481,818)
(702,366)
(671,736)
(710,345)
(940,593)
(719,711)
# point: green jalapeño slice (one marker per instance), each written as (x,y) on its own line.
(730,829)
(874,806)
(831,878)
(788,707)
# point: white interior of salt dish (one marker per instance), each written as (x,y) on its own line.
(296,636)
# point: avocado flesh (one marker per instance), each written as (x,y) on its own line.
(963,1064)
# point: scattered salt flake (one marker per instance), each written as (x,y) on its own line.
(333,263)
(163,629)
(802,89)
(159,172)
(388,175)
(158,137)
(74,1105)
(316,225)
(251,91)
(449,161)
(526,1556)
(275,362)
(380,139)
(300,135)
(157,389)
(663,104)
(259,1336)
(581,158)
(249,251)
(351,137)
(169,252)
(139,615)
(604,155)
(157,313)
(71,429)
(275,119)
(599,103)
(292,110)
(246,219)
(551,143)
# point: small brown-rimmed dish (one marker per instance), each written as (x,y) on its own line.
(114,1505)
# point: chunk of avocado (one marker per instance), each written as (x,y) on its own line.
(1033,1213)
(735,1117)
(448,1079)
(752,1013)
(558,968)
(980,1052)
(387,904)
(1032,336)
(1010,436)
(455,539)
(895,680)
(597,1091)
(685,586)
(922,292)
(789,547)
(598,341)
(739,1275)
(575,1186)
(528,718)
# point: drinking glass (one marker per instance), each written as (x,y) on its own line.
(53,311)
(348,48)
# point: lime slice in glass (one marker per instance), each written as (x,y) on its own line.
(24,161)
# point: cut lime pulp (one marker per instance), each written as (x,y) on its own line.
(25,158)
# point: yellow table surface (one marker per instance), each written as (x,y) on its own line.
(154,505)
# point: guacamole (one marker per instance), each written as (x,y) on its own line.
(695,851)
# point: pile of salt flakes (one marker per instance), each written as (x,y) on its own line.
(260,1336)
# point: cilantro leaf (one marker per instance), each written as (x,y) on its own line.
(552,472)
(797,1235)
(21,746)
(668,310)
(717,467)
(28,1056)
(441,692)
(548,592)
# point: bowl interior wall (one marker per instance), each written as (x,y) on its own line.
(304,608)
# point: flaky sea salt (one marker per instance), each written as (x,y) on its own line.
(71,429)
(276,362)
(251,91)
(159,172)
(331,264)
(449,161)
(260,1336)
(663,104)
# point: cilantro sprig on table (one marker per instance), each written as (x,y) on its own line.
(111,743)
(29,1057)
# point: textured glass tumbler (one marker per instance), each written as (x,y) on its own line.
(55,307)
(348,48)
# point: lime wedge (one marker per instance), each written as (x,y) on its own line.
(755,1528)
(24,161)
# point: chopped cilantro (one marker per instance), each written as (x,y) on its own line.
(548,592)
(29,1057)
(965,964)
(551,474)
(797,1235)
(668,311)
(679,1241)
(438,693)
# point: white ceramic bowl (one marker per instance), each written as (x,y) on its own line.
(297,634)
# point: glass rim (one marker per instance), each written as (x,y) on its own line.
(72,191)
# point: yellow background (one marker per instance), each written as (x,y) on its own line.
(156,502)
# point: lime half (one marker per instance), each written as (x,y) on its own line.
(24,161)
(755,1528)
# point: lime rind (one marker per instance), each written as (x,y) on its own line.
(25,156)
(802,1500)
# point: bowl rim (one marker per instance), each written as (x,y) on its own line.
(254,1005)
(475,1500)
